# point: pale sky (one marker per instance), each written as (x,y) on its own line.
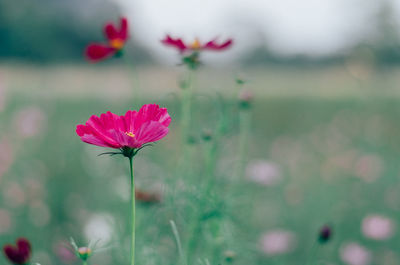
(287,27)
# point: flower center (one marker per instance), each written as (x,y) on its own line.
(196,45)
(117,44)
(84,251)
(130,134)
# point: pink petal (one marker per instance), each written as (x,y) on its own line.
(124,32)
(212,45)
(153,112)
(151,131)
(177,43)
(111,31)
(130,120)
(97,130)
(98,52)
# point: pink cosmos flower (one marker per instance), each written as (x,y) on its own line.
(128,132)
(116,41)
(190,52)
(196,45)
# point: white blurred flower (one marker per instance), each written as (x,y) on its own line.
(277,242)
(99,227)
(354,254)
(377,227)
(263,172)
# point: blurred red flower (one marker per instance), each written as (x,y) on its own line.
(116,41)
(20,253)
(191,51)
(196,45)
(127,132)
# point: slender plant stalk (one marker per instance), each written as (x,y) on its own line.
(211,155)
(187,94)
(244,135)
(133,210)
(178,242)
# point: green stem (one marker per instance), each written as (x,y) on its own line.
(178,242)
(132,212)
(84,262)
(244,133)
(187,92)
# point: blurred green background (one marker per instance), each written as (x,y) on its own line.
(324,148)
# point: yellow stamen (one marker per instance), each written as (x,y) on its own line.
(117,44)
(130,134)
(84,251)
(195,45)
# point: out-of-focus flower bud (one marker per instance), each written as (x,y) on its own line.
(245,98)
(84,253)
(325,234)
(206,135)
(240,81)
(229,255)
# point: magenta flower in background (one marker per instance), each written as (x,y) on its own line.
(190,52)
(20,253)
(196,45)
(116,39)
(128,132)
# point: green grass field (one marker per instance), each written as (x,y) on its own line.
(331,136)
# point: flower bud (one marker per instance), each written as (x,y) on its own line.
(325,234)
(240,81)
(206,135)
(84,253)
(229,255)
(245,98)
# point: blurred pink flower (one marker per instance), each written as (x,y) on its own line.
(5,221)
(277,242)
(14,195)
(196,45)
(377,227)
(131,131)
(34,190)
(116,38)
(263,172)
(64,254)
(354,254)
(30,122)
(368,167)
(6,155)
